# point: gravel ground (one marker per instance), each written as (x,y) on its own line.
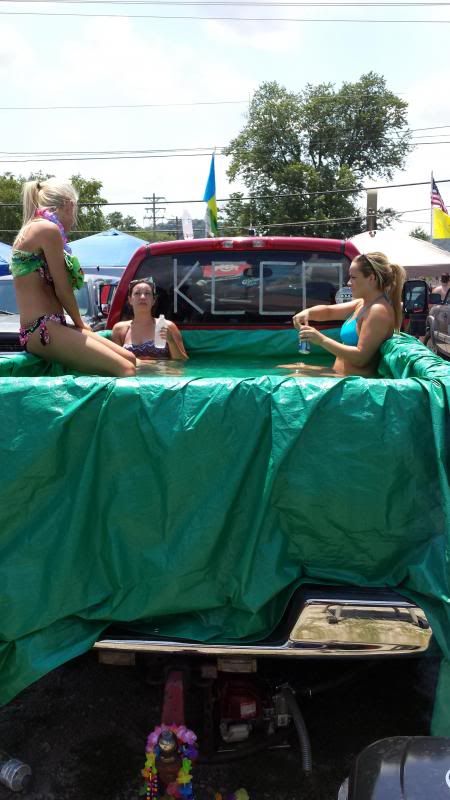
(82,729)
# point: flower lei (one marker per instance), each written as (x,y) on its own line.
(182,787)
(73,266)
(51,216)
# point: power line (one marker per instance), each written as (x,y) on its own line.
(327,97)
(210,148)
(228,19)
(177,105)
(105,158)
(359,190)
(173,229)
(107,152)
(135,105)
(241,3)
(142,155)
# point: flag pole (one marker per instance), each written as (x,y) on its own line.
(431,203)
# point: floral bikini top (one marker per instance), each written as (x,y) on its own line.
(23,262)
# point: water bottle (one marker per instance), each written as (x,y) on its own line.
(14,774)
(304,347)
(160,323)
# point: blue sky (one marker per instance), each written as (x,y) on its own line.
(52,61)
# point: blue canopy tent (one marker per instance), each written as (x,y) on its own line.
(108,252)
(5,256)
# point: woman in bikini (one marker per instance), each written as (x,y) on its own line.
(371,317)
(45,276)
(138,335)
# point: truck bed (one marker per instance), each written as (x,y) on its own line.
(196,503)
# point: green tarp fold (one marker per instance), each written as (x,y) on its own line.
(194,503)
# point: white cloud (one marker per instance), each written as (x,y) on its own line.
(15,56)
(429,102)
(272,37)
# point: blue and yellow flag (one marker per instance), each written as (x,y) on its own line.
(210,199)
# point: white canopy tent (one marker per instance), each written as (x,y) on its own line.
(421,259)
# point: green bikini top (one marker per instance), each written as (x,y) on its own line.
(23,262)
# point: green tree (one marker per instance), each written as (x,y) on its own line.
(11,203)
(117,220)
(420,233)
(296,147)
(90,217)
(10,215)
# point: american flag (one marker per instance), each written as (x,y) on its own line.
(436,199)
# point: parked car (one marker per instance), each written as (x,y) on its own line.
(437,336)
(94,300)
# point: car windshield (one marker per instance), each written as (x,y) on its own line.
(8,297)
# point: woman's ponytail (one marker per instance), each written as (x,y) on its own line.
(30,200)
(50,194)
(390,279)
(395,290)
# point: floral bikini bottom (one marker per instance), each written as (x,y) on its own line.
(41,323)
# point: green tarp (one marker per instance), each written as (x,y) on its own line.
(194,501)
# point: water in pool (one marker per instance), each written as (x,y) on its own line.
(222,366)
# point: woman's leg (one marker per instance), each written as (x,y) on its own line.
(116,348)
(300,369)
(81,351)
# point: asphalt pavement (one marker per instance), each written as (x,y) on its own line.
(83,727)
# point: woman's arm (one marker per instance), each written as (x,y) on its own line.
(52,245)
(376,327)
(325,313)
(174,341)
(118,333)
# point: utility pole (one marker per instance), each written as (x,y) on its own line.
(371,217)
(155,212)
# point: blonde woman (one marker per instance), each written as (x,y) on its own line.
(371,317)
(45,276)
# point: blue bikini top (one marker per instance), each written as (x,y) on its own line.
(349,332)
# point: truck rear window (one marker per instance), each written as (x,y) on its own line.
(243,287)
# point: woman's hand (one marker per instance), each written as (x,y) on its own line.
(83,326)
(165,332)
(300,318)
(172,336)
(310,334)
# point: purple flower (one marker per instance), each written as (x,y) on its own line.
(153,738)
(190,737)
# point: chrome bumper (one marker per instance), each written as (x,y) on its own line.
(331,626)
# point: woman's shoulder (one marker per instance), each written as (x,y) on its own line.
(46,228)
(380,310)
(40,232)
(122,325)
